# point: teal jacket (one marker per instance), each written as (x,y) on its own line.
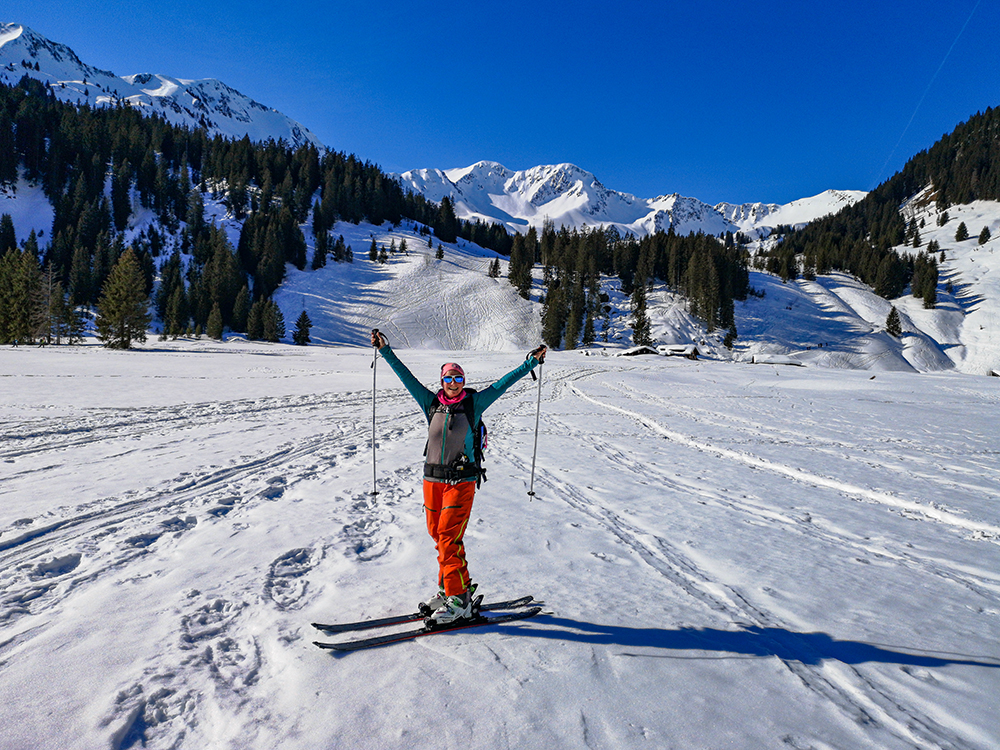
(481,400)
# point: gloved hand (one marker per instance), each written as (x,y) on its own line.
(378,339)
(539,353)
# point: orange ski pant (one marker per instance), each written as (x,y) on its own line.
(448,508)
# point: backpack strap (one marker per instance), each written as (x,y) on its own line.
(478,428)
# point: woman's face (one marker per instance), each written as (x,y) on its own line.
(455,387)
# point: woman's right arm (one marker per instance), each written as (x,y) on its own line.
(423,396)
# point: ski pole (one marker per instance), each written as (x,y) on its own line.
(534,452)
(375,335)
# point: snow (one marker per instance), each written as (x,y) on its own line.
(567,195)
(756,216)
(730,555)
(29,209)
(415,299)
(191,103)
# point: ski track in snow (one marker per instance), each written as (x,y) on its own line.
(221,646)
(860,698)
(77,546)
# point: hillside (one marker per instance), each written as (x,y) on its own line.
(834,321)
(415,299)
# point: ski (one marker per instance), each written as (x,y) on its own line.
(409,635)
(383,622)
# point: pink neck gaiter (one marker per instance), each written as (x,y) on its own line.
(446,400)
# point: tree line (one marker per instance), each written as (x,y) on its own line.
(710,272)
(99,167)
(961,167)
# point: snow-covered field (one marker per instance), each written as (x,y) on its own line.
(730,555)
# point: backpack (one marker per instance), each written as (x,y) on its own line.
(479,442)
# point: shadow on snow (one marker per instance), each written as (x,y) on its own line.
(752,641)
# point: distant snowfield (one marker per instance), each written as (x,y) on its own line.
(836,321)
(416,299)
(730,555)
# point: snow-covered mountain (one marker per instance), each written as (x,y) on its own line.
(206,103)
(570,196)
(757,216)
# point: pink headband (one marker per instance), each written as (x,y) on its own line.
(452,366)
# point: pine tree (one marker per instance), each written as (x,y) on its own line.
(274,322)
(44,310)
(122,312)
(494,272)
(731,336)
(319,254)
(576,309)
(893,326)
(255,321)
(641,334)
(593,311)
(177,316)
(519,268)
(241,308)
(962,233)
(373,251)
(214,325)
(984,236)
(440,252)
(8,238)
(301,333)
(340,250)
(20,281)
(447,225)
(554,314)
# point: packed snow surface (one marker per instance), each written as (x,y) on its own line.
(730,555)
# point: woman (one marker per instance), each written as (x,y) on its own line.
(450,471)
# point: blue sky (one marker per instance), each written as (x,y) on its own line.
(723,101)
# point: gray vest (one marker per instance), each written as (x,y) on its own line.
(446,460)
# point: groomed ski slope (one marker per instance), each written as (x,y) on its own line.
(417,299)
(730,555)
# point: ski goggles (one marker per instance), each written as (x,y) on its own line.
(453,379)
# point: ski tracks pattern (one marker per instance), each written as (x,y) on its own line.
(215,653)
(856,695)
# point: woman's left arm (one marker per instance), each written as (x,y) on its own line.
(487,396)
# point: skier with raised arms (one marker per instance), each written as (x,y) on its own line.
(451,470)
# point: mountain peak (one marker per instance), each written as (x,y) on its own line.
(207,103)
(570,196)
